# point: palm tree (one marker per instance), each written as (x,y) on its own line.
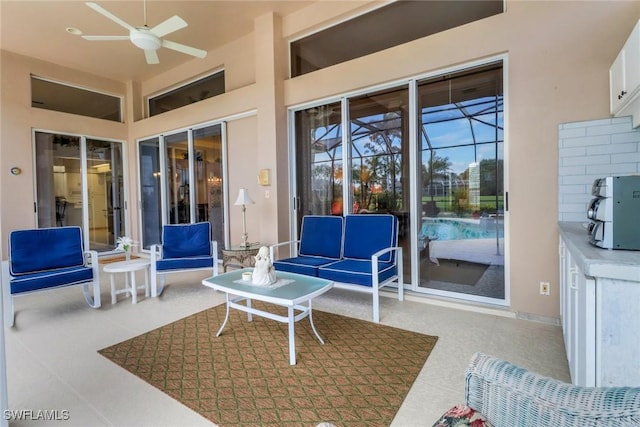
(435,171)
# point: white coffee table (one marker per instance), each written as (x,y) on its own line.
(129,268)
(290,291)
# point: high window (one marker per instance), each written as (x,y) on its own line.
(50,95)
(196,91)
(392,25)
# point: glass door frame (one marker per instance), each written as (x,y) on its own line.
(84,181)
(414,169)
(164,188)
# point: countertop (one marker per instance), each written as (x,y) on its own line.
(597,262)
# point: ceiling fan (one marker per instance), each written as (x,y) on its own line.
(148,39)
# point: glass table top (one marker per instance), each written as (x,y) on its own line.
(294,286)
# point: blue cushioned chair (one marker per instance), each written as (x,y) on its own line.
(320,243)
(185,247)
(48,258)
(371,257)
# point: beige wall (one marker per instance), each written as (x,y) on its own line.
(558,55)
(18,120)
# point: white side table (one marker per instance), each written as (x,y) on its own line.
(129,268)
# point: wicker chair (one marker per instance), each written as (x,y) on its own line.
(511,396)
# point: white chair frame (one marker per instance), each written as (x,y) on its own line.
(156,254)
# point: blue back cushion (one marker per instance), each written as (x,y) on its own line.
(186,240)
(41,249)
(321,236)
(366,234)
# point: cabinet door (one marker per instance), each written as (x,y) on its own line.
(565,297)
(632,63)
(569,309)
(617,83)
(578,320)
(573,337)
(585,349)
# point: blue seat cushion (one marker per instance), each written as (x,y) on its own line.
(186,240)
(44,249)
(321,236)
(307,265)
(356,271)
(168,264)
(359,240)
(50,279)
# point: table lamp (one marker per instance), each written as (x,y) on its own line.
(243,200)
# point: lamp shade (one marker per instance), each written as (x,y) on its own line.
(243,197)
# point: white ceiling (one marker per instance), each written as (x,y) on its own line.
(38,29)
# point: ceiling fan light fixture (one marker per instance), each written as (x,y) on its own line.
(145,40)
(74,31)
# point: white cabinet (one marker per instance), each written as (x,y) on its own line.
(617,87)
(624,79)
(599,298)
(578,319)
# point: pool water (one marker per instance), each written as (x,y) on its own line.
(457,229)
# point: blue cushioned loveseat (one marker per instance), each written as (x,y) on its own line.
(48,258)
(357,252)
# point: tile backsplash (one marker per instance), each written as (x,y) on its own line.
(589,150)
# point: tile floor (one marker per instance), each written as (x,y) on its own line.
(53,364)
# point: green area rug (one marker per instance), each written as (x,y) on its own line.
(243,378)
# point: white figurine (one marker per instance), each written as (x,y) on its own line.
(263,273)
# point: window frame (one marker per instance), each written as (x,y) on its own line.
(183,85)
(119,98)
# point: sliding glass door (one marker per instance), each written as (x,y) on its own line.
(178,177)
(150,191)
(207,177)
(379,124)
(191,190)
(79,181)
(461,186)
(429,152)
(319,177)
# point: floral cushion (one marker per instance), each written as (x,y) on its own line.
(460,416)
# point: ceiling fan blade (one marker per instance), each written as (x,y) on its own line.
(172,24)
(184,48)
(103,11)
(105,38)
(151,56)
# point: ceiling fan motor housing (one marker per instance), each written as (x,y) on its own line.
(148,39)
(144,39)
